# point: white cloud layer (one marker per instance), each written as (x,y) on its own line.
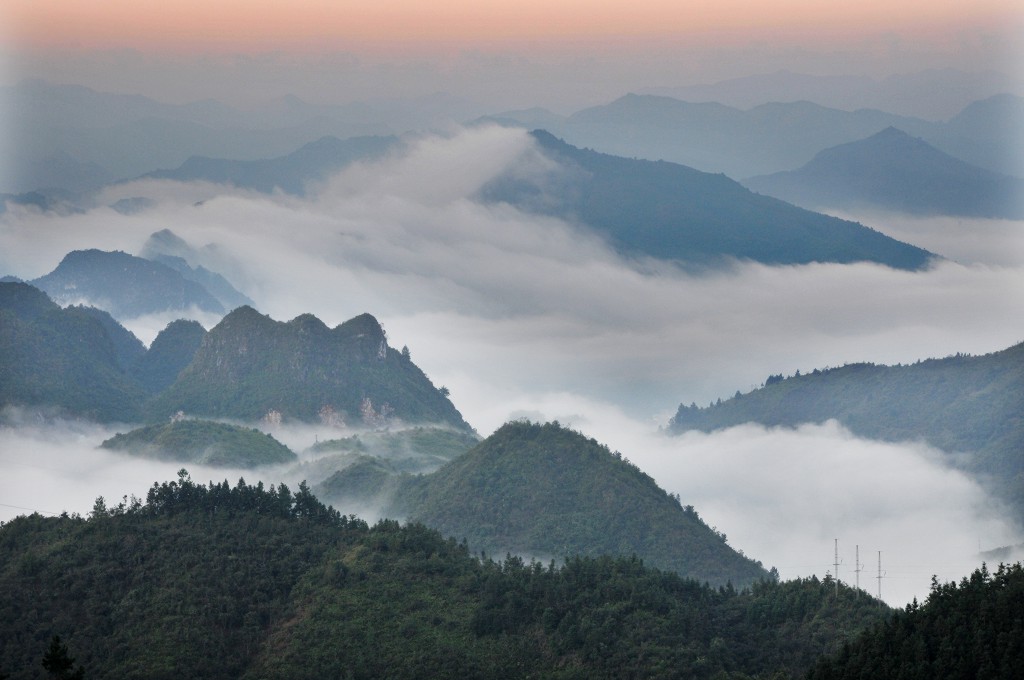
(524,315)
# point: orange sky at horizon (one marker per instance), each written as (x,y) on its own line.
(221,26)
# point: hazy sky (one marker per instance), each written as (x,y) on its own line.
(563,54)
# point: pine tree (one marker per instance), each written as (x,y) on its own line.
(59,663)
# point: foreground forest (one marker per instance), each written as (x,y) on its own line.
(221,581)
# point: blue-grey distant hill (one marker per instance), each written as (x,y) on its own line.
(894,171)
(291,173)
(673,212)
(773,137)
(70,136)
(124,285)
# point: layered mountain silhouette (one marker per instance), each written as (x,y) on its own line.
(168,248)
(893,171)
(972,406)
(673,212)
(776,136)
(291,173)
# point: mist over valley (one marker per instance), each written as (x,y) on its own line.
(588,360)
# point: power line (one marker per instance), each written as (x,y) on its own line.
(18,507)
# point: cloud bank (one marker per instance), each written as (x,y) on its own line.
(520,315)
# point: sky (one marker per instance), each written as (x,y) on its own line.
(564,54)
(526,317)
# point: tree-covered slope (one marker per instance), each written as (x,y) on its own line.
(549,492)
(219,581)
(974,629)
(202,441)
(893,171)
(61,359)
(674,212)
(168,355)
(250,366)
(960,404)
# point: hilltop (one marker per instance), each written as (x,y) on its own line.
(548,492)
(249,366)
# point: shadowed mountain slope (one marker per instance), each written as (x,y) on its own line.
(674,212)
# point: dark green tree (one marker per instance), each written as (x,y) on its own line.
(59,664)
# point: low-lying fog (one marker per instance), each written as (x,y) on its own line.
(522,316)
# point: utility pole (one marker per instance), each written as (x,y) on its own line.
(837,568)
(879,577)
(857,567)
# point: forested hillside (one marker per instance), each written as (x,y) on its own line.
(79,361)
(549,492)
(249,366)
(961,404)
(974,629)
(61,360)
(221,581)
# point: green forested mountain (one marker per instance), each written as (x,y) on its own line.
(974,629)
(128,349)
(674,212)
(549,492)
(242,581)
(960,404)
(893,171)
(171,351)
(82,362)
(249,366)
(61,359)
(202,441)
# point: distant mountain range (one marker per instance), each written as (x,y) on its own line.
(73,139)
(81,362)
(291,173)
(933,94)
(673,212)
(971,406)
(774,137)
(125,285)
(128,286)
(70,136)
(893,171)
